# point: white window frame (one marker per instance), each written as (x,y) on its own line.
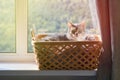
(21,53)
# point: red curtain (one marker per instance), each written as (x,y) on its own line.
(115,32)
(105,67)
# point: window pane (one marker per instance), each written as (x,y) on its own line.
(7,26)
(52,15)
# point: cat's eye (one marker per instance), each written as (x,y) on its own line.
(73,31)
(80,31)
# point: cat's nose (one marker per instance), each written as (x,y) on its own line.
(76,34)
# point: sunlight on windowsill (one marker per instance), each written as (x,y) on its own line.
(18,66)
(29,69)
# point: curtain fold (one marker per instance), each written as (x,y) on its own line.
(115,31)
(105,66)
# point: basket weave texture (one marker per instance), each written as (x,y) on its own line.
(82,55)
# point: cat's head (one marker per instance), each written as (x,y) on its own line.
(75,30)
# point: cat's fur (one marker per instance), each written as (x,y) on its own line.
(76,32)
(80,34)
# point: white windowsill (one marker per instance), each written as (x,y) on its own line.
(18,66)
(32,69)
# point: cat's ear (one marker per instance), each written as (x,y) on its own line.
(82,24)
(70,24)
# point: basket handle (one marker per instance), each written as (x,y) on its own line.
(38,36)
(32,34)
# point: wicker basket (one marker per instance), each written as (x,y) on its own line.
(63,55)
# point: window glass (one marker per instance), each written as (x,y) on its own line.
(51,16)
(7,26)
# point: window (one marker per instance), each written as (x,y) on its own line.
(7,26)
(52,16)
(48,16)
(20,32)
